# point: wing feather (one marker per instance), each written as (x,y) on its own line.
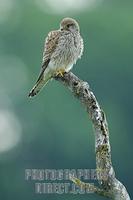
(49,46)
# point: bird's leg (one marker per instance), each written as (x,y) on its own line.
(60,72)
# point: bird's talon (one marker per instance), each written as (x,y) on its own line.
(60,72)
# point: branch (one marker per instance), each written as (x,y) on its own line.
(109,186)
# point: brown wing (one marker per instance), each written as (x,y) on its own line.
(49,47)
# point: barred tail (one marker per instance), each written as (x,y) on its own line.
(41,82)
(38,86)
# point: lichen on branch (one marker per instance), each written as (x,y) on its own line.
(109,185)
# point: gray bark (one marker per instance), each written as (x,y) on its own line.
(109,185)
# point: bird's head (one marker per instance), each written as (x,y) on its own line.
(69,24)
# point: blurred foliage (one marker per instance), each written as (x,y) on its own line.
(54,129)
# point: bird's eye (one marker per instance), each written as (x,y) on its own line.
(68,25)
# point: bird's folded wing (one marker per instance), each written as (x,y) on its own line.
(50,46)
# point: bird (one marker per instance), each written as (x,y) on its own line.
(62,48)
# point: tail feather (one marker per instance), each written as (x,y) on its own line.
(36,89)
(41,82)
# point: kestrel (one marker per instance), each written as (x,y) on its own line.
(62,49)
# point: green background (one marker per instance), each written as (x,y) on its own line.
(53,130)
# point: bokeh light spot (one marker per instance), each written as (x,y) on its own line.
(13,74)
(10,130)
(65,6)
(6,7)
